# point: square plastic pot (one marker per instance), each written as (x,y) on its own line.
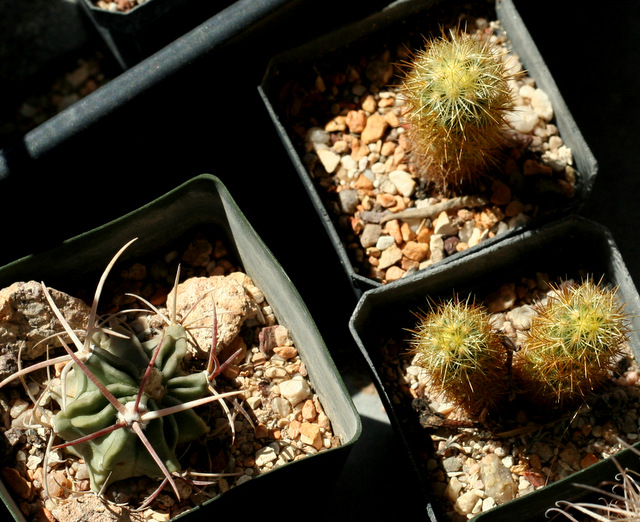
(402,21)
(157,108)
(136,34)
(560,248)
(204,202)
(227,29)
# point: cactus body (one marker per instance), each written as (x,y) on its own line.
(119,364)
(457,93)
(463,356)
(573,343)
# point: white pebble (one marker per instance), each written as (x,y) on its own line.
(507,462)
(265,455)
(329,159)
(466,502)
(243,479)
(466,231)
(295,390)
(488,503)
(281,406)
(443,225)
(387,186)
(559,159)
(288,453)
(527,91)
(385,242)
(363,163)
(318,136)
(349,163)
(523,119)
(500,451)
(403,181)
(542,104)
(33,462)
(378,168)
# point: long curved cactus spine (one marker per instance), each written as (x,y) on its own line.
(573,343)
(463,355)
(457,95)
(127,405)
(619,499)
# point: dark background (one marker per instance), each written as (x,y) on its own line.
(174,119)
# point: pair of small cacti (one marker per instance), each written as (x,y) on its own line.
(457,93)
(570,348)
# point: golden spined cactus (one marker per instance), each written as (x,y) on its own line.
(573,344)
(457,96)
(463,356)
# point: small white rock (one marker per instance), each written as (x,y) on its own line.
(523,119)
(443,226)
(403,181)
(466,502)
(542,104)
(243,479)
(349,163)
(475,237)
(559,159)
(436,246)
(254,402)
(266,455)
(385,242)
(527,91)
(488,503)
(387,186)
(466,231)
(521,316)
(390,257)
(318,136)
(295,390)
(281,406)
(329,159)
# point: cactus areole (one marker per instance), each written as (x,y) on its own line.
(120,364)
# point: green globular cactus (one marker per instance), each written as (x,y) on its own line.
(120,364)
(573,343)
(457,95)
(463,355)
(126,406)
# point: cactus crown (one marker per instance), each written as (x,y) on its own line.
(121,364)
(462,354)
(457,93)
(574,340)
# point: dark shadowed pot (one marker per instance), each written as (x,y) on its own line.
(203,203)
(403,22)
(136,34)
(569,247)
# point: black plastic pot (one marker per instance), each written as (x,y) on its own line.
(136,34)
(37,36)
(215,37)
(157,109)
(399,22)
(204,202)
(561,249)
